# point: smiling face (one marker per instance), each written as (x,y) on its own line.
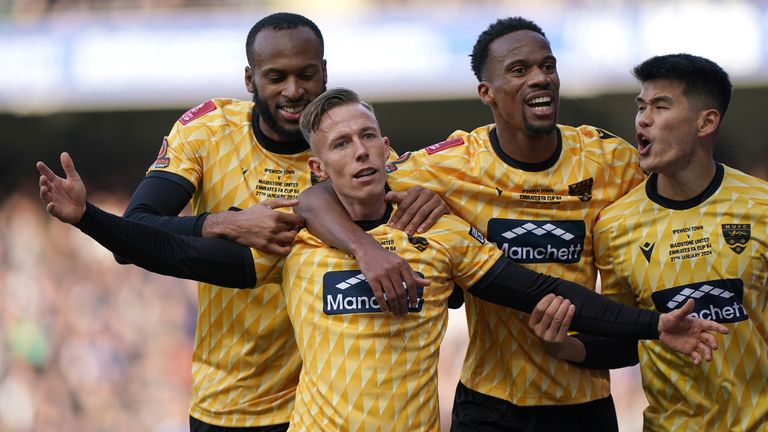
(287,72)
(349,150)
(520,82)
(667,125)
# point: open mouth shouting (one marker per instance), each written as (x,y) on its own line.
(643,144)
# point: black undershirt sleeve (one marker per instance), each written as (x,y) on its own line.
(512,285)
(158,200)
(608,353)
(212,260)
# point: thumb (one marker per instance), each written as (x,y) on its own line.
(394,197)
(69,167)
(686,309)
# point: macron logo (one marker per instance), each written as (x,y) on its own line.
(544,229)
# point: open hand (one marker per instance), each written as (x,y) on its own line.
(688,335)
(64,197)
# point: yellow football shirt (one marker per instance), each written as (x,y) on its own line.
(365,370)
(714,249)
(245,365)
(541,216)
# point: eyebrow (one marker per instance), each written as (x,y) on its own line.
(654,100)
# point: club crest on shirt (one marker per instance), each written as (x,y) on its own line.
(196,112)
(347,292)
(718,300)
(582,189)
(436,148)
(736,236)
(420,243)
(163,160)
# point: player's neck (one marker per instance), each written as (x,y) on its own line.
(526,147)
(685,184)
(368,209)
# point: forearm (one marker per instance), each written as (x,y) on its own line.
(326,218)
(212,260)
(515,286)
(606,353)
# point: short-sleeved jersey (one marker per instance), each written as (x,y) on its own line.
(540,216)
(714,249)
(246,365)
(365,370)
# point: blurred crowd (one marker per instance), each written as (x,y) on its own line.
(87,344)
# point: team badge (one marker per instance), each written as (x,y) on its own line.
(582,189)
(737,236)
(436,148)
(420,243)
(647,250)
(196,112)
(163,160)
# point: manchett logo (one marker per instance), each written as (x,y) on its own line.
(717,300)
(348,292)
(527,241)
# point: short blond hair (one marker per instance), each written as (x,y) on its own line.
(314,112)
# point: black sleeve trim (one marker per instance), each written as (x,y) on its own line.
(520,288)
(212,260)
(608,353)
(176,178)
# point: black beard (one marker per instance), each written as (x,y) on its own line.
(539,129)
(263,109)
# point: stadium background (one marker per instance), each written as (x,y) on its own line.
(88,345)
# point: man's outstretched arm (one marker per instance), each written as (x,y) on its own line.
(213,260)
(512,285)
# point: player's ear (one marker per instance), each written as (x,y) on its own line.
(249,80)
(708,122)
(485,93)
(316,166)
(386,141)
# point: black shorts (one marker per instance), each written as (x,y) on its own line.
(196,425)
(473,411)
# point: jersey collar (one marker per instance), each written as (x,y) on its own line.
(525,166)
(279,147)
(651,189)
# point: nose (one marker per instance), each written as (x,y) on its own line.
(361,150)
(538,77)
(293,89)
(643,118)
